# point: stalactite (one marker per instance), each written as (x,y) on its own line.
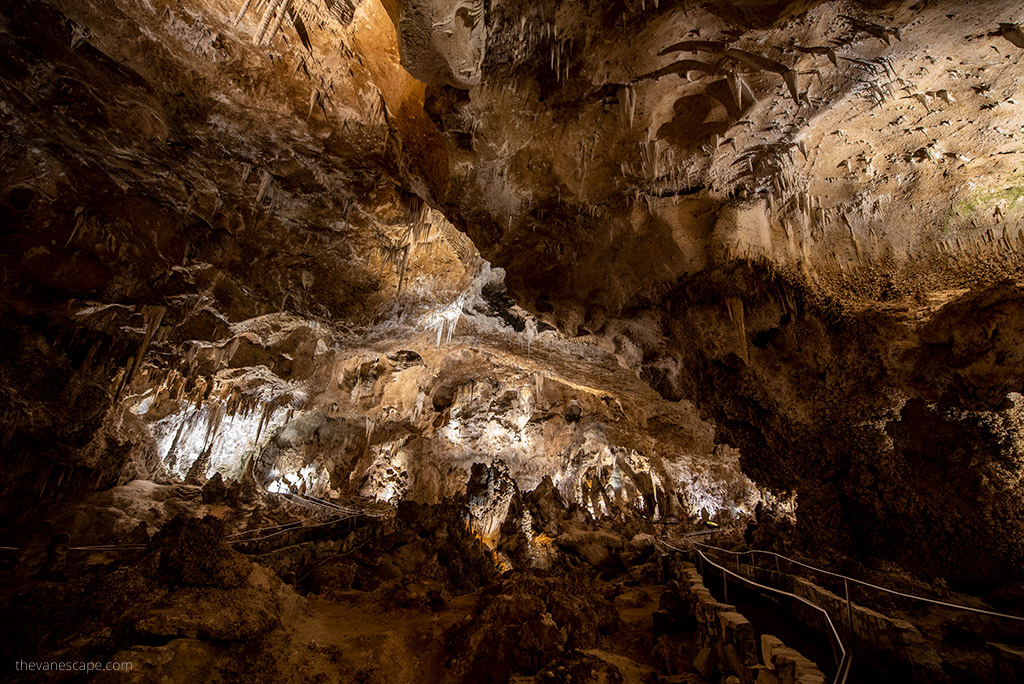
(242,11)
(418,411)
(737,315)
(152,317)
(278,20)
(264,420)
(268,14)
(627,100)
(265,179)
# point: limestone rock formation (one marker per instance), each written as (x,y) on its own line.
(454,320)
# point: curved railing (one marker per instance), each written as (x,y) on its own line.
(698,548)
(846,658)
(837,575)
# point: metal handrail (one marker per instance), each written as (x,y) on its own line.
(339,513)
(293,524)
(289,529)
(322,506)
(862,582)
(847,657)
(354,510)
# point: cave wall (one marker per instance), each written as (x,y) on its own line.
(797,220)
(800,216)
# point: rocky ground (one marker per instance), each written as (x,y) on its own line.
(495,584)
(414,597)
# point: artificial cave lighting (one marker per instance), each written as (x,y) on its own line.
(463,341)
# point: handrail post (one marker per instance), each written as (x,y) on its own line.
(725,585)
(849,612)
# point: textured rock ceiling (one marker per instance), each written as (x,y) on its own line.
(799,219)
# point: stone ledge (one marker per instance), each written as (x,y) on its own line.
(729,642)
